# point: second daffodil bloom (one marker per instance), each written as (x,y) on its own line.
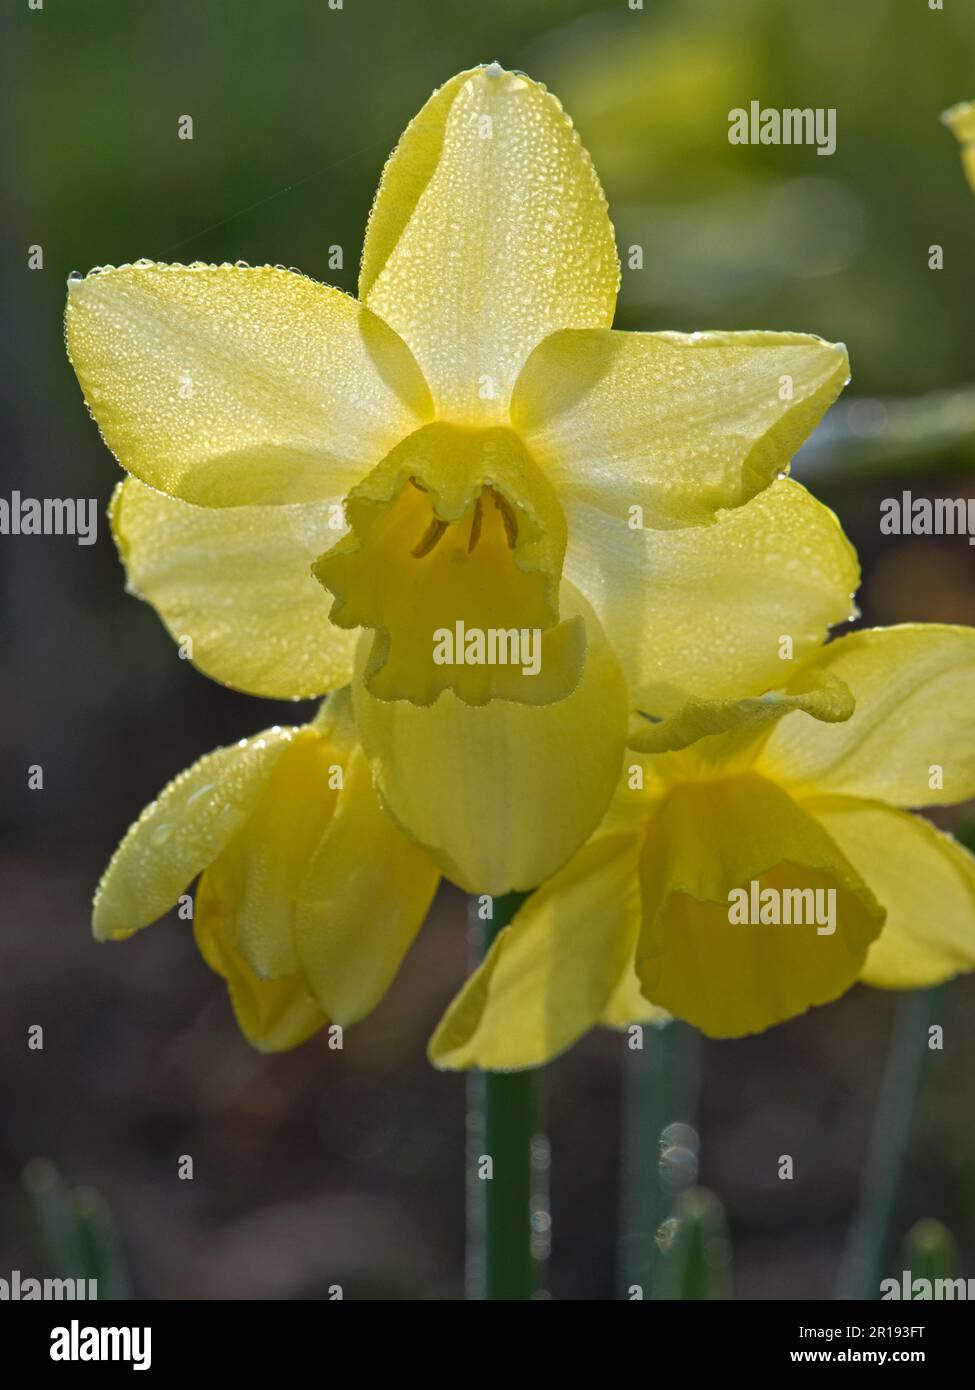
(308,896)
(466,453)
(738,882)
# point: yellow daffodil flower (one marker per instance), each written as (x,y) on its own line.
(488,429)
(961,120)
(308,896)
(469,448)
(707,889)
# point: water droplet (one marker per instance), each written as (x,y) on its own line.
(200,791)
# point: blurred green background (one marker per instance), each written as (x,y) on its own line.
(347,1167)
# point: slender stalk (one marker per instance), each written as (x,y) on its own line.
(503,1246)
(78,1230)
(866,1246)
(660,1085)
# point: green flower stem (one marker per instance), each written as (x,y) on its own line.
(702,1252)
(77,1230)
(866,1248)
(660,1086)
(502,1124)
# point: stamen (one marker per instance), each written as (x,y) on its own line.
(429,538)
(475,535)
(508,517)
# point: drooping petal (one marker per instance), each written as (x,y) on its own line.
(727,976)
(628,1004)
(237,582)
(489,231)
(714,612)
(503,794)
(560,967)
(183,831)
(238,386)
(675,425)
(364,896)
(961,120)
(924,878)
(816,693)
(455,549)
(254,881)
(273,1015)
(911,741)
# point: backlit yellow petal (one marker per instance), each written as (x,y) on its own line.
(489,231)
(183,831)
(237,582)
(273,1015)
(961,120)
(911,741)
(733,977)
(457,539)
(677,425)
(714,612)
(628,1005)
(254,881)
(363,898)
(562,966)
(816,693)
(502,794)
(227,385)
(924,878)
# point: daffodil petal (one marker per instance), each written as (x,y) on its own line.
(669,428)
(556,971)
(911,741)
(363,898)
(960,120)
(238,386)
(183,831)
(714,612)
(628,1004)
(502,794)
(254,881)
(273,1015)
(234,584)
(731,977)
(923,877)
(822,696)
(489,231)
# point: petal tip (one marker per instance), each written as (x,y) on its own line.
(958,117)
